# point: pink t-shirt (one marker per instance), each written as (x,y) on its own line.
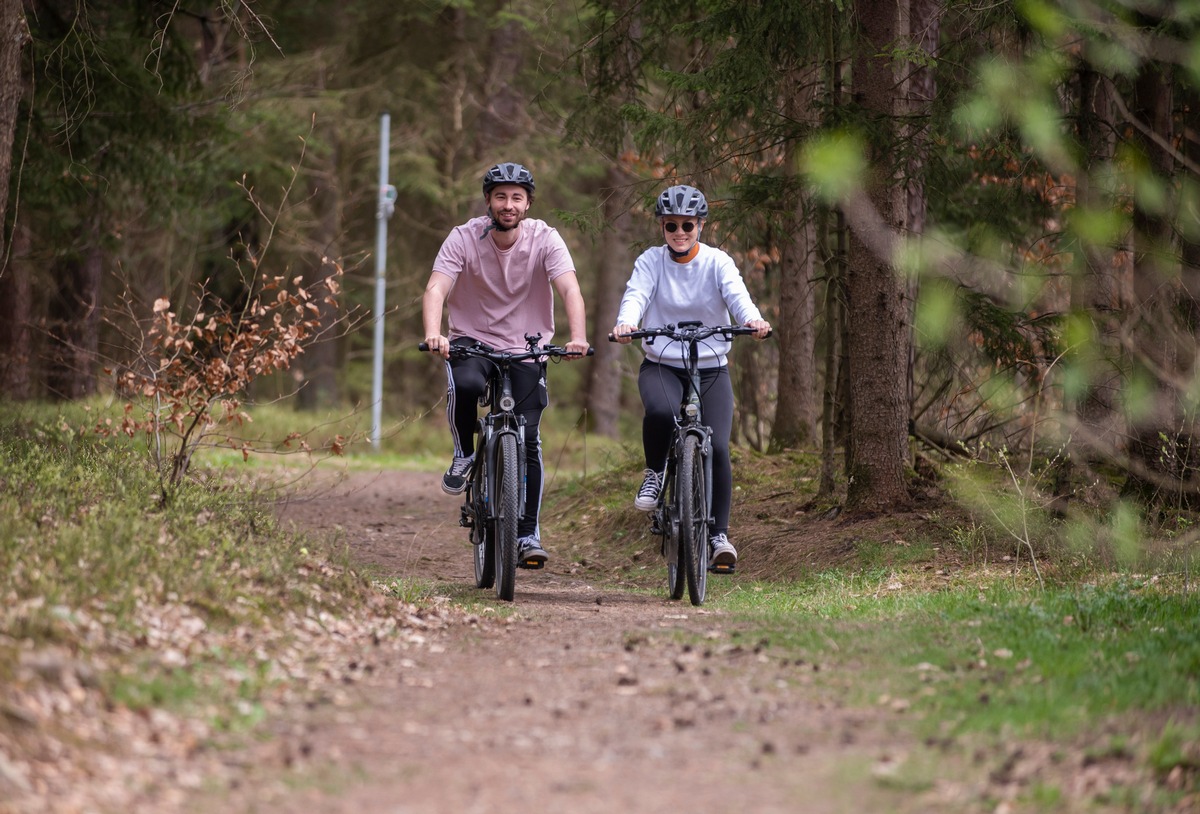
(499,296)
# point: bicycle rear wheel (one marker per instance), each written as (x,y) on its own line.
(507,505)
(693,519)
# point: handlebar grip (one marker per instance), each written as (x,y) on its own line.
(612,338)
(424,346)
(591,351)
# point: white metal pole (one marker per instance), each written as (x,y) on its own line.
(383,211)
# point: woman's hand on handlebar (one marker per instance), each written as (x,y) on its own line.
(621,333)
(762,328)
(437,344)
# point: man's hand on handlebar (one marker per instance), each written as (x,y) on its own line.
(577,350)
(439,345)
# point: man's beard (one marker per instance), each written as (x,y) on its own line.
(499,227)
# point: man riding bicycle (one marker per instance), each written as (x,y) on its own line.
(679,281)
(497,275)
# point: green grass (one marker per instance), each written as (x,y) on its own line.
(86,546)
(414,441)
(1113,661)
(994,654)
(1097,671)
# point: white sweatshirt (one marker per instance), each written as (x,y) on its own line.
(707,288)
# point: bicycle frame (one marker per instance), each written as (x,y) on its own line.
(498,422)
(494,498)
(684,516)
(689,421)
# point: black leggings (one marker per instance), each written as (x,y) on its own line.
(662,387)
(467,380)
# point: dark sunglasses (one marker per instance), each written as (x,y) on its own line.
(672,226)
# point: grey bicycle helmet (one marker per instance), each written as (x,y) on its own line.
(682,200)
(508,173)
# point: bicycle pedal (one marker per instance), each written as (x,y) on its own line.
(722,568)
(532,565)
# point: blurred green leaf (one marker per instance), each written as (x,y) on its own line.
(936,315)
(834,164)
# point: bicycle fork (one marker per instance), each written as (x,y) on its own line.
(664,520)
(483,474)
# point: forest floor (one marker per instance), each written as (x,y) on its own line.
(584,696)
(591,692)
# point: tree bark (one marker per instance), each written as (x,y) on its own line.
(832,425)
(16,300)
(13,35)
(319,362)
(1095,290)
(604,371)
(1153,433)
(16,318)
(879,339)
(75,320)
(922,83)
(502,117)
(795,406)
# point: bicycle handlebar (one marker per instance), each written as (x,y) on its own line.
(689,332)
(478,350)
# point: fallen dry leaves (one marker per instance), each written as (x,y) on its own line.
(69,745)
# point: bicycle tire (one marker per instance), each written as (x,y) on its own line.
(507,505)
(693,519)
(670,526)
(484,554)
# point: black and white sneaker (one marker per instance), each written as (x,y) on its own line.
(530,553)
(723,556)
(647,496)
(455,479)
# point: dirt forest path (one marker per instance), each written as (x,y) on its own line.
(585,698)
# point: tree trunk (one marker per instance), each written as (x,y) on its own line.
(604,370)
(878,350)
(502,119)
(16,317)
(1095,289)
(319,362)
(16,295)
(830,409)
(75,321)
(796,330)
(926,28)
(1153,430)
(13,35)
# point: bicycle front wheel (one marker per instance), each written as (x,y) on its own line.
(693,519)
(481,538)
(668,522)
(507,506)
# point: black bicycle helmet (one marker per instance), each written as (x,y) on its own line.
(508,173)
(682,200)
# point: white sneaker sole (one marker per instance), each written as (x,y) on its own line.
(725,557)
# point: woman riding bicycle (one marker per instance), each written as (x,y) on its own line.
(676,282)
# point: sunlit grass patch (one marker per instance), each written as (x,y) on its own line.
(999,660)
